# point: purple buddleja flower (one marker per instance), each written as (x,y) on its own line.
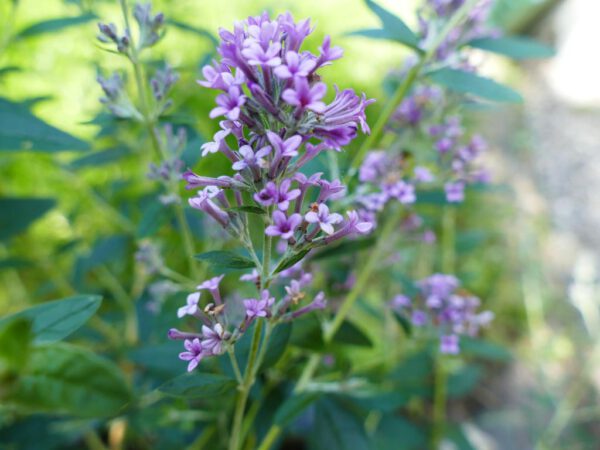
(259,56)
(418,318)
(330,190)
(319,302)
(283,151)
(253,276)
(176,335)
(402,191)
(229,104)
(212,286)
(438,284)
(204,203)
(214,338)
(285,195)
(444,145)
(220,77)
(218,144)
(449,344)
(251,160)
(194,354)
(455,192)
(268,195)
(342,117)
(423,175)
(353,225)
(305,97)
(319,214)
(374,166)
(399,302)
(304,183)
(191,307)
(328,53)
(284,226)
(259,308)
(196,181)
(296,65)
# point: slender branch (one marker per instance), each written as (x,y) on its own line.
(234,364)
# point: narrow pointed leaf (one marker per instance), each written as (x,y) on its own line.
(198,384)
(516,47)
(393,27)
(53,321)
(52,25)
(18,213)
(226,259)
(469,83)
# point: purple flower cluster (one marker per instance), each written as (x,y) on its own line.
(276,121)
(433,18)
(221,326)
(442,307)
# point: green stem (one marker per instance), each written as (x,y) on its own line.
(234,364)
(448,239)
(404,88)
(244,388)
(270,438)
(439,401)
(264,279)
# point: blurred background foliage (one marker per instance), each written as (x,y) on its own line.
(100,204)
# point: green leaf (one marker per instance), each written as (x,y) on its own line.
(154,216)
(350,334)
(516,47)
(394,28)
(21,130)
(277,344)
(464,381)
(226,259)
(53,321)
(431,197)
(396,433)
(293,407)
(248,209)
(470,83)
(192,29)
(404,323)
(49,26)
(198,384)
(15,263)
(290,260)
(345,248)
(100,158)
(484,349)
(15,340)
(385,401)
(62,378)
(307,333)
(18,213)
(337,428)
(9,69)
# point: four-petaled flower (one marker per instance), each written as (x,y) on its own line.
(284,226)
(251,159)
(319,214)
(229,104)
(213,339)
(191,307)
(259,308)
(296,65)
(304,96)
(195,353)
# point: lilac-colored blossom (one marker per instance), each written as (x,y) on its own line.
(191,307)
(259,308)
(194,354)
(320,215)
(283,226)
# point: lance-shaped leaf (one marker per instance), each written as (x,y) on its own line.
(52,25)
(198,384)
(516,47)
(293,407)
(17,213)
(470,83)
(53,321)
(62,378)
(21,130)
(226,260)
(393,29)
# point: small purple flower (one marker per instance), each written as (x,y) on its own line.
(319,214)
(400,302)
(449,344)
(418,318)
(319,302)
(259,308)
(258,56)
(251,159)
(423,175)
(444,145)
(455,192)
(296,66)
(330,190)
(284,226)
(375,164)
(328,53)
(268,195)
(305,97)
(212,286)
(194,353)
(285,195)
(213,339)
(402,191)
(204,203)
(229,104)
(191,308)
(252,277)
(287,148)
